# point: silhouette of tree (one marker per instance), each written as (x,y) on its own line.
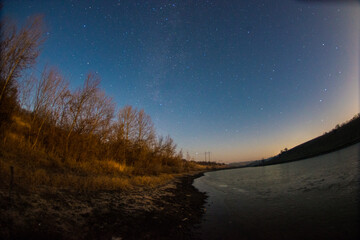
(19,50)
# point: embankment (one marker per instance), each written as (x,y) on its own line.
(171,210)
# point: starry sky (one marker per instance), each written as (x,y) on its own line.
(240,79)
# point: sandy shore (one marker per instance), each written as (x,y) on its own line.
(169,211)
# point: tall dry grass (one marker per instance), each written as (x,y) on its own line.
(35,168)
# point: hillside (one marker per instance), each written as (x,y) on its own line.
(341,136)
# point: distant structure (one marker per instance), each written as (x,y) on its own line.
(207,153)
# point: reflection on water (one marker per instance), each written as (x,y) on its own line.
(316,198)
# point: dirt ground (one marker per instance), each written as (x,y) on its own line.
(171,211)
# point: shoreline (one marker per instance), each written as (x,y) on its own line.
(170,210)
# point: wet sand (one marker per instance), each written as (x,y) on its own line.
(173,210)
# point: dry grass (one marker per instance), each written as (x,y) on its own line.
(35,168)
(95,167)
(27,178)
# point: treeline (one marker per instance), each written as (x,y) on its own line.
(44,114)
(208,163)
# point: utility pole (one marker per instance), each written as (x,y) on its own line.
(207,158)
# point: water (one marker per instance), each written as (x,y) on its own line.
(316,198)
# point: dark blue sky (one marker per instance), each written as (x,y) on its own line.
(241,79)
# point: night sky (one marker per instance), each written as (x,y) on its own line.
(241,79)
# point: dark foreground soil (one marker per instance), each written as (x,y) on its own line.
(171,211)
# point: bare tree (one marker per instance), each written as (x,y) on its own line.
(96,119)
(50,91)
(127,122)
(125,130)
(88,109)
(144,129)
(78,101)
(169,149)
(26,90)
(19,50)
(98,112)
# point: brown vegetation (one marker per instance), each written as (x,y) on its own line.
(58,137)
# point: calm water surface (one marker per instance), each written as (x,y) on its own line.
(316,198)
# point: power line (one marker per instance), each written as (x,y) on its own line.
(197,155)
(207,154)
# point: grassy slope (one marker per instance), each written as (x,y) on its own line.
(38,168)
(345,135)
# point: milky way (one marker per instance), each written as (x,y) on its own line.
(241,79)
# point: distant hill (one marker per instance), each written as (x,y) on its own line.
(341,136)
(239,164)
